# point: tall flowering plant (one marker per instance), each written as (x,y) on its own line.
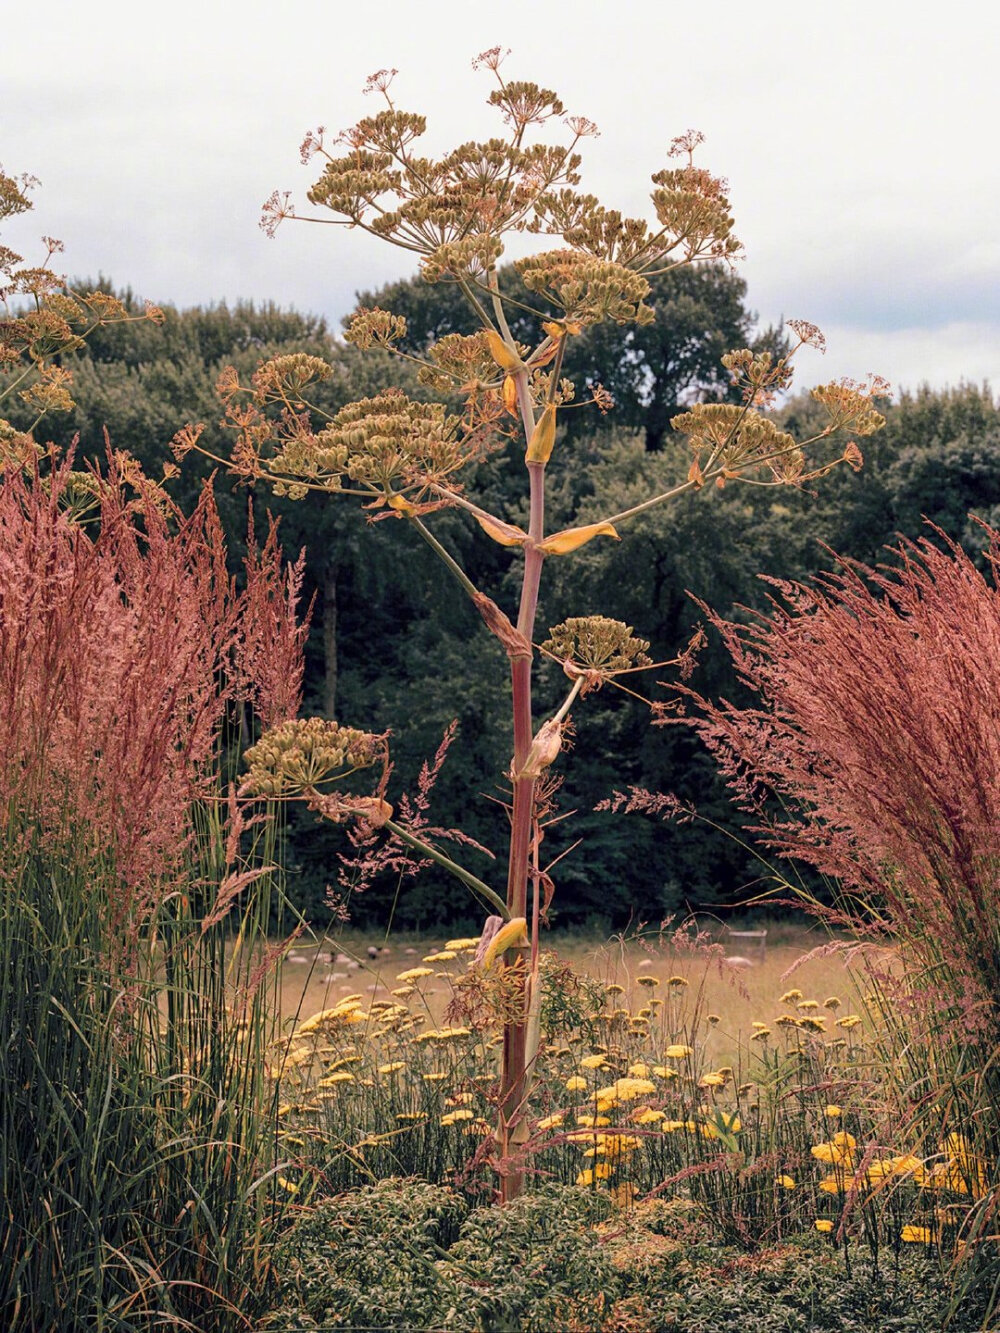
(404,459)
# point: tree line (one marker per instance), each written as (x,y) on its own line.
(403,653)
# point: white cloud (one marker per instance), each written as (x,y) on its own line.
(857,139)
(907,358)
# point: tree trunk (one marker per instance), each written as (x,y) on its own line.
(330,642)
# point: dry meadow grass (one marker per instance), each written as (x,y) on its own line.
(318,974)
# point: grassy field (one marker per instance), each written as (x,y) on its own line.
(318,974)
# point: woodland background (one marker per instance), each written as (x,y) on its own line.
(391,646)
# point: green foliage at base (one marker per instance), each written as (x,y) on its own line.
(407,1255)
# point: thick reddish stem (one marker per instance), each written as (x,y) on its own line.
(512,1078)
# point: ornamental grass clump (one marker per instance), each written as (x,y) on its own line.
(138,993)
(406,459)
(876,722)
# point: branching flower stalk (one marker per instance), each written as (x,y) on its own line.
(403,458)
(41,319)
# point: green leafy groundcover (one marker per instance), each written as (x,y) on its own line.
(405,1255)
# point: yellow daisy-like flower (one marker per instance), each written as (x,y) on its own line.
(833,1184)
(442,956)
(790,996)
(468,943)
(593,1121)
(672,1126)
(647,980)
(552,1121)
(761,1034)
(415,973)
(576,1083)
(613,988)
(599,1171)
(393,1068)
(289,1186)
(807,1006)
(813,1022)
(625,1090)
(831,1002)
(459,1099)
(848,1021)
(724,1124)
(407,1116)
(905,1165)
(442,1035)
(347,1011)
(593,1062)
(677,981)
(915,1235)
(664,1071)
(838,1152)
(678,1052)
(786,1182)
(614,1145)
(833,1112)
(823,1224)
(345,1060)
(435,1077)
(342,1076)
(639,1069)
(648,1117)
(403,991)
(787,1021)
(711,1081)
(453,1117)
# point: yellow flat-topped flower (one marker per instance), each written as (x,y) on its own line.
(415,973)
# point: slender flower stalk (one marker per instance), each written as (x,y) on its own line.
(405,458)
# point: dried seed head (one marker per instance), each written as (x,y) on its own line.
(740,439)
(596,643)
(374,327)
(588,289)
(302,754)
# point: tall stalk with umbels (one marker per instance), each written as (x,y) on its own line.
(402,458)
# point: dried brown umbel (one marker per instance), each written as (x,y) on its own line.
(303,754)
(596,643)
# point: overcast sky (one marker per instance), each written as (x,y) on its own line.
(859,140)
